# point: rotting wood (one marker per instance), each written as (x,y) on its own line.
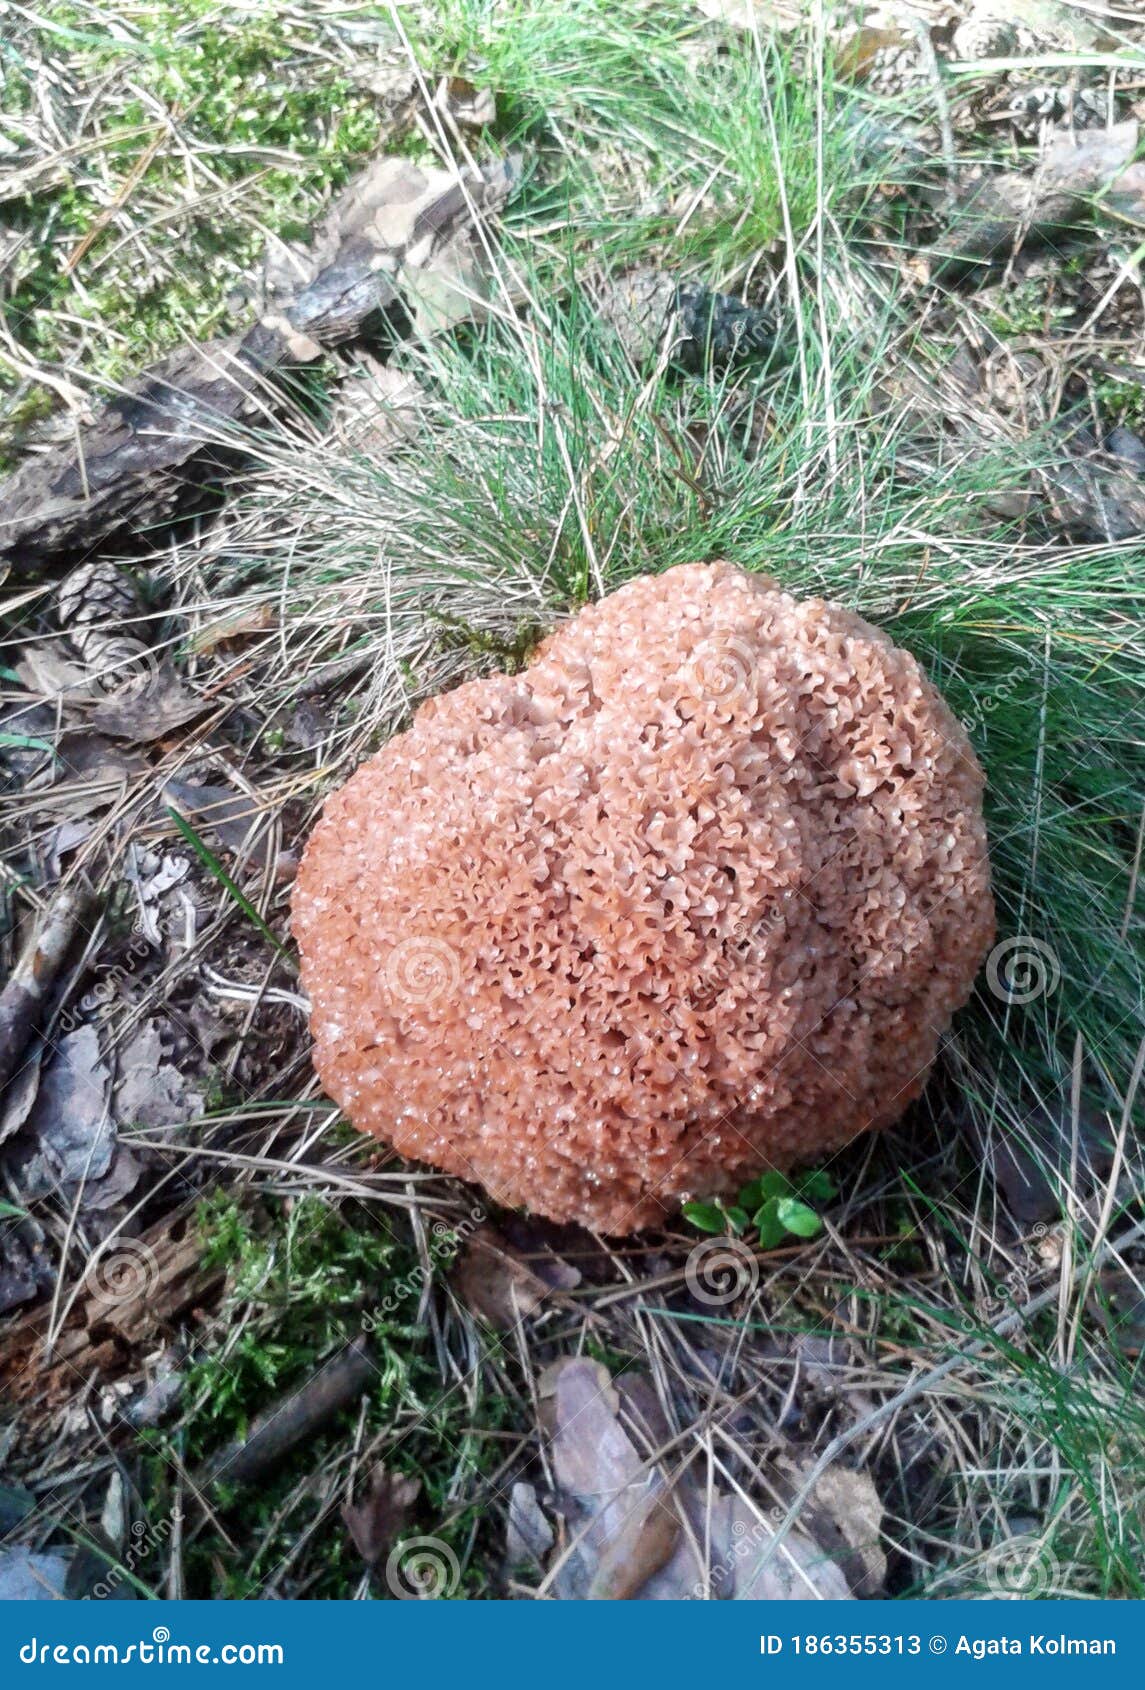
(115,1317)
(180,423)
(24,996)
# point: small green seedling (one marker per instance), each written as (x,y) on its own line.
(773,1204)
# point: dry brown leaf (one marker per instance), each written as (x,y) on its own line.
(228,630)
(470,107)
(494,1283)
(635,1531)
(69,1133)
(858,54)
(384,1511)
(232,817)
(844,1514)
(49,675)
(150,1091)
(139,715)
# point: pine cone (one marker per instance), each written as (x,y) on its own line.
(92,604)
(651,310)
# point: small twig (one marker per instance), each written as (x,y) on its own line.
(297,1417)
(34,975)
(929,59)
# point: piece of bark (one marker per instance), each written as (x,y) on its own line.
(180,423)
(23,998)
(993,214)
(135,1291)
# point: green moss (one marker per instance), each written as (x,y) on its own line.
(239,91)
(304,1278)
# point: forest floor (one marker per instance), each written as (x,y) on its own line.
(248,1352)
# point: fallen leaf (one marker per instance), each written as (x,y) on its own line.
(233,817)
(494,1283)
(470,107)
(92,773)
(149,712)
(25,1577)
(384,1512)
(993,213)
(645,1543)
(149,1091)
(634,1530)
(117,1183)
(228,630)
(69,1133)
(49,675)
(858,55)
(378,407)
(844,1515)
(529,1536)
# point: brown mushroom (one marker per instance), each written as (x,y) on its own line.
(694,895)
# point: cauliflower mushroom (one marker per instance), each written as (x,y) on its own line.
(695,894)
